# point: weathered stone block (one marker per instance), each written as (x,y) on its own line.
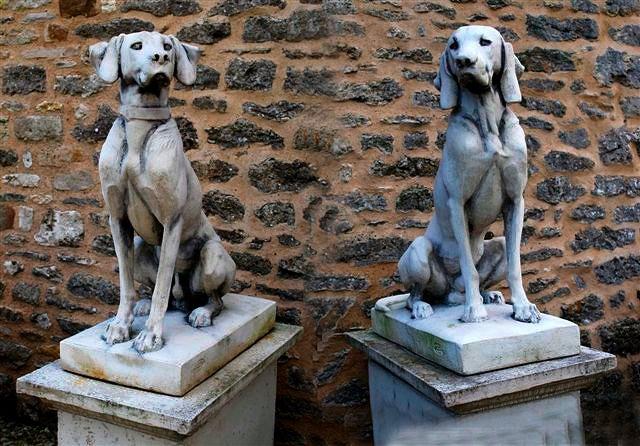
(225,206)
(617,66)
(188,357)
(24,79)
(114,27)
(384,143)
(61,228)
(215,170)
(242,133)
(567,162)
(205,32)
(207,78)
(280,111)
(558,189)
(553,30)
(38,128)
(496,343)
(406,167)
(272,214)
(272,175)
(233,7)
(73,8)
(584,311)
(252,263)
(74,181)
(618,269)
(99,129)
(76,85)
(300,25)
(417,198)
(161,8)
(86,285)
(547,60)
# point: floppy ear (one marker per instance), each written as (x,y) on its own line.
(186,61)
(105,58)
(446,84)
(511,70)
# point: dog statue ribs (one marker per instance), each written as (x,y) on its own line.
(482,174)
(162,237)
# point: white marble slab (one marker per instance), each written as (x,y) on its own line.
(469,348)
(188,357)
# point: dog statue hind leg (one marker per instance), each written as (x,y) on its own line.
(213,276)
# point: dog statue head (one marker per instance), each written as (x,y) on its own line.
(146,59)
(477,58)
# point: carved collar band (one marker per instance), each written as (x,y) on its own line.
(145,113)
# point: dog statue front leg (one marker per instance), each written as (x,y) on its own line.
(474,310)
(150,339)
(118,330)
(523,310)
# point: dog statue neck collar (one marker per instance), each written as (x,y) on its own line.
(145,113)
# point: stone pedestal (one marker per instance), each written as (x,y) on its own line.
(414,401)
(189,355)
(468,348)
(235,405)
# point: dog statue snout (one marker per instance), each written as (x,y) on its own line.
(465,61)
(160,59)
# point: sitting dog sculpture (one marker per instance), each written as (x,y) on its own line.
(483,173)
(150,188)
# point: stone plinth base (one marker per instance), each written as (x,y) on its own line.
(189,355)
(236,405)
(469,348)
(414,401)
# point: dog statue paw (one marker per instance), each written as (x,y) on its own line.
(200,317)
(421,310)
(474,313)
(117,331)
(147,341)
(527,312)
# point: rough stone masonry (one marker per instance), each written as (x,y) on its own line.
(315,130)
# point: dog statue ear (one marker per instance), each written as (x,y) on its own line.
(186,61)
(446,84)
(511,71)
(105,58)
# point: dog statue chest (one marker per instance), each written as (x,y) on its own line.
(142,217)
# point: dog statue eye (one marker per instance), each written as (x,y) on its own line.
(485,42)
(167,47)
(454,45)
(136,46)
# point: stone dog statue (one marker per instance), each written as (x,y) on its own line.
(162,237)
(482,174)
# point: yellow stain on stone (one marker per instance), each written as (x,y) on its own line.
(46,106)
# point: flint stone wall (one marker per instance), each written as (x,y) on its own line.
(315,130)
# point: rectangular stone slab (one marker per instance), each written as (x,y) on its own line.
(168,416)
(188,357)
(466,394)
(469,348)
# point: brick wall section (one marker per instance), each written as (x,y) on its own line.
(315,130)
